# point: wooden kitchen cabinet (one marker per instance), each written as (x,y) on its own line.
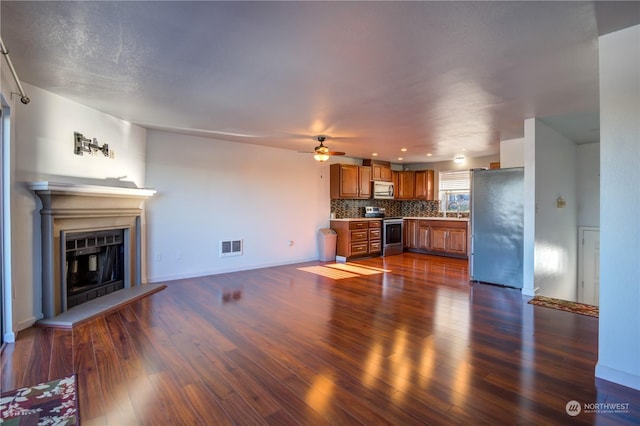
(423,235)
(458,241)
(410,234)
(416,234)
(423,187)
(350,181)
(364,181)
(414,185)
(380,170)
(449,237)
(375,237)
(405,189)
(382,173)
(441,237)
(357,238)
(438,240)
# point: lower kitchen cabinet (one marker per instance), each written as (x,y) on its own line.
(423,235)
(441,237)
(375,237)
(358,238)
(449,239)
(410,234)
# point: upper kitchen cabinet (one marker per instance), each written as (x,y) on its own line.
(405,188)
(424,181)
(380,170)
(364,178)
(350,181)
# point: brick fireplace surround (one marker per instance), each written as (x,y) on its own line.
(81,208)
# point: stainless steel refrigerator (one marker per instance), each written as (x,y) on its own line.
(497,226)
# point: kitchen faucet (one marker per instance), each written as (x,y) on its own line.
(452,204)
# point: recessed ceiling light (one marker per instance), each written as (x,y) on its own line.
(400,158)
(458,159)
(429,154)
(403,149)
(375,154)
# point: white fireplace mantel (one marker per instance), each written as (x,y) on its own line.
(61,187)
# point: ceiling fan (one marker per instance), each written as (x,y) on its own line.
(321,152)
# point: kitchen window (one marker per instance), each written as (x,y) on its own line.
(454,189)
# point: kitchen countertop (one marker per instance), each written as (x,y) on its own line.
(352,219)
(455,219)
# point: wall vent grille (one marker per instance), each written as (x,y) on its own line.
(230,248)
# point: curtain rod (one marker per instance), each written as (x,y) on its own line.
(23,96)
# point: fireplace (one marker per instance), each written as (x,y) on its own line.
(91,242)
(94,263)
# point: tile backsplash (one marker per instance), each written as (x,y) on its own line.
(420,208)
(345,209)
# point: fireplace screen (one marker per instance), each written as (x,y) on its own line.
(94,264)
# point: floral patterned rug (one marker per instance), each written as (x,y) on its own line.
(565,305)
(51,403)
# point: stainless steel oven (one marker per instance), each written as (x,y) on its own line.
(392,236)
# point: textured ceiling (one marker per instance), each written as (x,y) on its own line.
(437,78)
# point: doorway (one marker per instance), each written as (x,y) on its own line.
(589,265)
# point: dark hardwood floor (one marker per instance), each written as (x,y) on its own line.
(402,340)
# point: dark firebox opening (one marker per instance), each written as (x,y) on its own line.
(95,264)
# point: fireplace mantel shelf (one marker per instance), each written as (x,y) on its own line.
(80,189)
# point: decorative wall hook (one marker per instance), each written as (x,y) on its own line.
(83,144)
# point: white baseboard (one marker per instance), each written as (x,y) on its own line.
(24,324)
(172,277)
(616,376)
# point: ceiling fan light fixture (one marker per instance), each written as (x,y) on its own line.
(321,152)
(320,156)
(321,149)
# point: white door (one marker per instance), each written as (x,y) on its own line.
(589,265)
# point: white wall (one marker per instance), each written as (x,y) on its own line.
(588,181)
(43,149)
(512,153)
(619,325)
(211,190)
(556,229)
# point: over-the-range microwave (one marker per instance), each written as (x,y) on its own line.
(382,190)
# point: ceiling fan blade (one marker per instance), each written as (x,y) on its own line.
(327,153)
